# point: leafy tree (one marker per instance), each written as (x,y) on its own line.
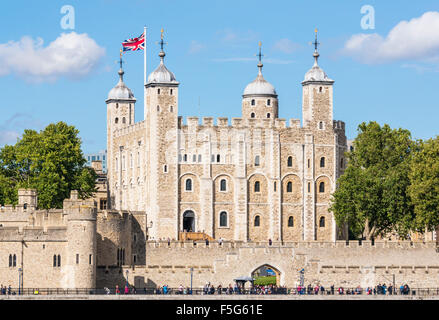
(424,188)
(50,161)
(372,194)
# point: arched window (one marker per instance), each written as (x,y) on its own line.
(123,120)
(322,162)
(257,221)
(116,120)
(322,187)
(223,219)
(268,102)
(158,91)
(268,115)
(253,102)
(322,222)
(199,158)
(290,222)
(171,108)
(257,186)
(252,115)
(165,168)
(320,89)
(25,206)
(158,108)
(54,260)
(188,184)
(10,260)
(59,261)
(257,161)
(194,158)
(320,125)
(172,92)
(290,161)
(223,185)
(289,186)
(117,105)
(14,261)
(185,158)
(218,158)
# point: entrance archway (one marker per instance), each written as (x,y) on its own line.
(266,275)
(189,221)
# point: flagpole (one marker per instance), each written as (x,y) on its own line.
(144,76)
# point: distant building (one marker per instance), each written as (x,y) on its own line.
(100,156)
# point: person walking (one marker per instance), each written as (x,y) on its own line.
(117,290)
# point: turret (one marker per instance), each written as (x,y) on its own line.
(259,100)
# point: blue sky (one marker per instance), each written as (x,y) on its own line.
(389,78)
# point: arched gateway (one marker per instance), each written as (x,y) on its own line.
(189,221)
(266,272)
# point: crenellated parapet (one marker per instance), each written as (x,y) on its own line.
(138,126)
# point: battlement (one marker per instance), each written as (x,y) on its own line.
(130,128)
(338,124)
(357,245)
(27,233)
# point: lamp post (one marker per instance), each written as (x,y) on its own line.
(19,280)
(192,270)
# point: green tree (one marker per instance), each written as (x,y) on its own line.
(50,161)
(424,188)
(371,195)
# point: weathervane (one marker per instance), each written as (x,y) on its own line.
(120,58)
(161,43)
(316,43)
(260,55)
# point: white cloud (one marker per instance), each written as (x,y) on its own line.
(417,39)
(233,37)
(71,55)
(196,47)
(286,45)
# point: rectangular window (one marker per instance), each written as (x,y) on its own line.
(89,259)
(134,258)
(77,258)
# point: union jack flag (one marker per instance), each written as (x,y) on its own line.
(134,44)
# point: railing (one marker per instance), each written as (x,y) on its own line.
(223,291)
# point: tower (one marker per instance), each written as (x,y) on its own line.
(317,98)
(120,114)
(259,100)
(161,116)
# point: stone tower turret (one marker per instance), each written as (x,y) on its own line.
(317,98)
(120,114)
(259,100)
(161,116)
(80,270)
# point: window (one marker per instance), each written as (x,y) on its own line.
(268,102)
(290,161)
(103,204)
(257,221)
(223,185)
(158,91)
(289,186)
(54,260)
(290,222)
(188,184)
(213,158)
(252,115)
(218,158)
(90,259)
(10,260)
(309,187)
(322,222)
(117,105)
(274,186)
(117,164)
(158,108)
(116,120)
(134,258)
(123,120)
(257,162)
(77,258)
(194,158)
(341,163)
(223,219)
(25,206)
(165,168)
(320,89)
(320,125)
(199,158)
(185,158)
(134,237)
(131,160)
(322,162)
(257,186)
(322,187)
(268,115)
(172,92)
(171,108)
(59,261)
(309,163)
(253,102)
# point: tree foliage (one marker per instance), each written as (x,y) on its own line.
(372,194)
(50,161)
(424,187)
